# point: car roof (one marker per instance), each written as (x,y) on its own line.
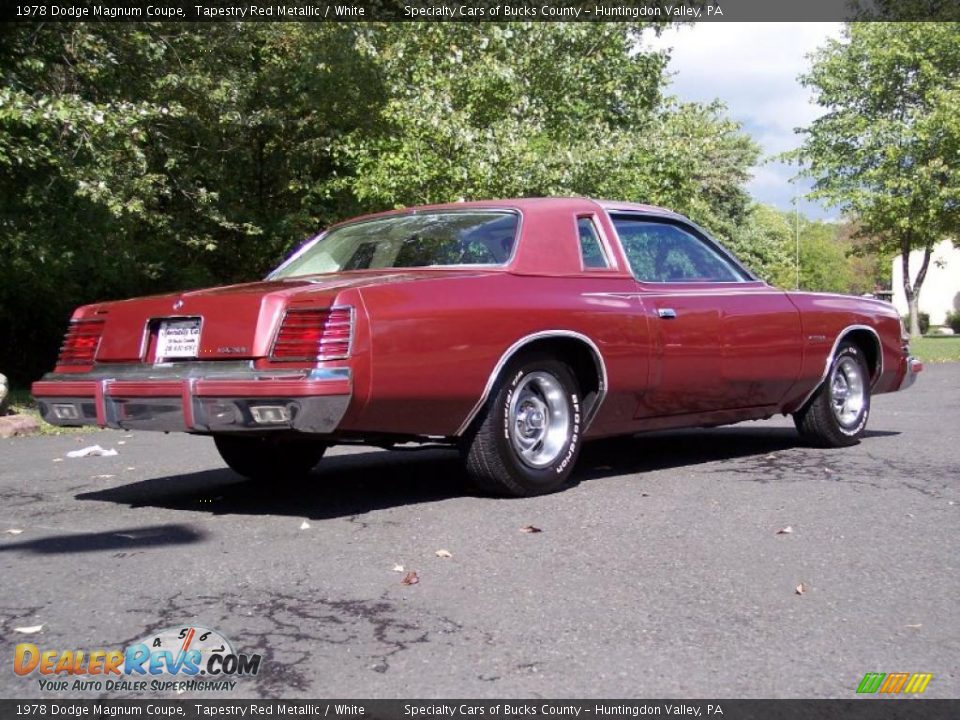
(549,244)
(524,205)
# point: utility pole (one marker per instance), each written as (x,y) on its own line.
(796,218)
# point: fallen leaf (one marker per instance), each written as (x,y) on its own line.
(530,529)
(918,625)
(771,456)
(644,494)
(14,531)
(828,471)
(398,568)
(801,589)
(411,578)
(130,468)
(304,525)
(58,459)
(29,630)
(785,531)
(101,477)
(121,442)
(443,554)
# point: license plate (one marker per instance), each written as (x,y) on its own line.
(178,339)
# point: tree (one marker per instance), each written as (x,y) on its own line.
(888,149)
(143,158)
(824,260)
(483,110)
(870,269)
(765,244)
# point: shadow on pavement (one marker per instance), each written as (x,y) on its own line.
(350,485)
(682,448)
(108,541)
(340,486)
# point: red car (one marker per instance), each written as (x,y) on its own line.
(514,330)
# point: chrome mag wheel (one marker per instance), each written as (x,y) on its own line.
(539,420)
(847,391)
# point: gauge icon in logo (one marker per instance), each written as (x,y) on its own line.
(186,650)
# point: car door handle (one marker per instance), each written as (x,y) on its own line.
(667,313)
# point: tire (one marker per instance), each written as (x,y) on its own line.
(266,458)
(529,435)
(836,416)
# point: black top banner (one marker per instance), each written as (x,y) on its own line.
(478,10)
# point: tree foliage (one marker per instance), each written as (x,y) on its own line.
(793,251)
(765,243)
(888,149)
(144,157)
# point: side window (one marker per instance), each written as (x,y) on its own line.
(591,249)
(663,252)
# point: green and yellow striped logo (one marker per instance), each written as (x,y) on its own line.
(894,683)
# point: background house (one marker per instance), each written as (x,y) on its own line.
(941,290)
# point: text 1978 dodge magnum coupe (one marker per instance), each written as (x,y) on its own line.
(513,329)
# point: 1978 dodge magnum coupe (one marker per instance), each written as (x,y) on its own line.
(514,330)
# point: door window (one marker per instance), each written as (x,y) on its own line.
(664,252)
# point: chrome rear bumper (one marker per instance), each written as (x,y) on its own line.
(914,368)
(196,397)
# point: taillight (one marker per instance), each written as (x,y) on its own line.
(311,335)
(81,341)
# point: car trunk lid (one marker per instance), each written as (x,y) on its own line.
(230,322)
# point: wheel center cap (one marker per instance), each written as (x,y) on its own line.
(535,420)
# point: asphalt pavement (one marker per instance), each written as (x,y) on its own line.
(659,573)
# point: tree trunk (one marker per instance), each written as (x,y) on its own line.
(914,305)
(912,289)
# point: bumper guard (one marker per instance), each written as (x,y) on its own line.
(914,368)
(196,399)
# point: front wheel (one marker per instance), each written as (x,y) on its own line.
(267,458)
(837,414)
(529,438)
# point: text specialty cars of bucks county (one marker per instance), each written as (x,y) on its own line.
(514,330)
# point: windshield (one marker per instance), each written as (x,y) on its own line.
(479,237)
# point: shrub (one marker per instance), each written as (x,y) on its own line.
(924,322)
(953,321)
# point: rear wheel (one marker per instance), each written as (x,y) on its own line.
(836,416)
(267,458)
(529,437)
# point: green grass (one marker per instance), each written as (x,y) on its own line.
(22,403)
(936,348)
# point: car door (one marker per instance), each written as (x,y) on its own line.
(721,338)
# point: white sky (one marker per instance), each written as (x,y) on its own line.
(753,69)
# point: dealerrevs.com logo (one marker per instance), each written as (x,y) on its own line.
(175,659)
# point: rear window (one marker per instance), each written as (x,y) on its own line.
(451,238)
